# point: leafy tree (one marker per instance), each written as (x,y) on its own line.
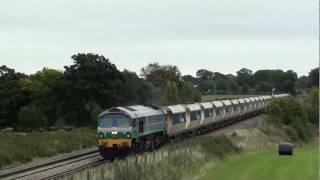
(207,87)
(275,111)
(189,78)
(204,75)
(38,84)
(132,84)
(159,74)
(302,82)
(312,106)
(189,94)
(245,76)
(292,114)
(12,97)
(147,93)
(93,80)
(263,87)
(170,93)
(32,116)
(314,77)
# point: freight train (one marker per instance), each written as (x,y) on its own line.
(144,128)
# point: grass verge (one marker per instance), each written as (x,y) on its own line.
(23,147)
(173,161)
(266,165)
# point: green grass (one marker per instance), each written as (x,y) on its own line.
(205,98)
(23,147)
(172,161)
(267,165)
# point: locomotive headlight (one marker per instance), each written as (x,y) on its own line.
(101,135)
(114,132)
(128,135)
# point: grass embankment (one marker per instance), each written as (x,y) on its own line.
(172,161)
(22,147)
(266,165)
(205,98)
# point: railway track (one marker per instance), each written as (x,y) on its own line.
(55,168)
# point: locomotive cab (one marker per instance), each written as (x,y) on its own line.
(115,130)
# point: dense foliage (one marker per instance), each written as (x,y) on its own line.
(76,95)
(298,118)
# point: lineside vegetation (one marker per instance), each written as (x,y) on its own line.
(16,148)
(75,95)
(297,117)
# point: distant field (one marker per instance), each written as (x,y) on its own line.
(23,147)
(268,165)
(219,97)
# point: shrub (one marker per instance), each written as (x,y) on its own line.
(291,113)
(292,133)
(275,111)
(31,116)
(218,146)
(23,147)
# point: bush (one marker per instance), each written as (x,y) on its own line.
(312,106)
(291,132)
(275,111)
(291,113)
(218,146)
(189,94)
(31,116)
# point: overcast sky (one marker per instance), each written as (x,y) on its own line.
(218,35)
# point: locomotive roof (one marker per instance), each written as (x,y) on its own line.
(135,111)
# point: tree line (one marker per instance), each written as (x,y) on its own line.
(76,95)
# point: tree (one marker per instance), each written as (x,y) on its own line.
(245,77)
(314,77)
(207,86)
(189,94)
(132,83)
(302,82)
(263,87)
(293,116)
(92,81)
(189,78)
(12,96)
(204,75)
(38,87)
(289,79)
(32,116)
(170,93)
(38,84)
(312,105)
(159,74)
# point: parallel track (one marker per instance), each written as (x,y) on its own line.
(48,168)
